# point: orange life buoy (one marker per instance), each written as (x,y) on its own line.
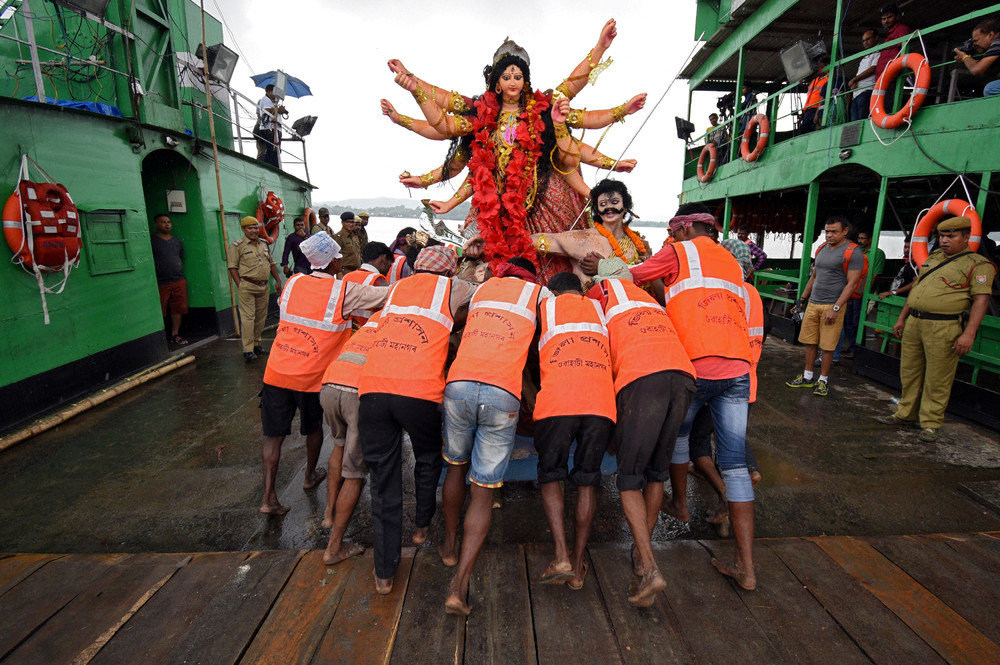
(765,129)
(918,65)
(270,214)
(927,223)
(713,155)
(54,222)
(311,219)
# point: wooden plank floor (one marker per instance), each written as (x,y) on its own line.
(906,599)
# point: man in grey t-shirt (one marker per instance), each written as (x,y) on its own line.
(829,288)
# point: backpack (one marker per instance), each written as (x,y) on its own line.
(848,253)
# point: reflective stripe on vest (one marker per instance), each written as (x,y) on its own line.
(355,277)
(396,271)
(624,302)
(551,329)
(433,313)
(520,307)
(326,324)
(697,280)
(756,332)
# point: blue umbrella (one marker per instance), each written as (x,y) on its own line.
(294,87)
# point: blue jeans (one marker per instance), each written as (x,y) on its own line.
(992,88)
(727,398)
(861,105)
(479,424)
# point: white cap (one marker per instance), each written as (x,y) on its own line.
(320,250)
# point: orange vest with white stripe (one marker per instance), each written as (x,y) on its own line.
(345,370)
(411,346)
(497,335)
(815,93)
(643,338)
(756,332)
(396,271)
(360,316)
(575,356)
(310,333)
(708,303)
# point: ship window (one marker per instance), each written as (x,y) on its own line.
(106,242)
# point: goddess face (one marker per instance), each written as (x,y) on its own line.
(511,83)
(609,207)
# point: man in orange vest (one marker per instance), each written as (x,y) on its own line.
(481,405)
(654,381)
(314,325)
(815,96)
(574,352)
(376,260)
(708,304)
(413,332)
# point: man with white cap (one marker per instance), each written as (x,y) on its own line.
(315,324)
(249,261)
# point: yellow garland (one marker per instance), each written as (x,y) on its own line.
(636,239)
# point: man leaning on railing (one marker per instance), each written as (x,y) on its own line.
(986,41)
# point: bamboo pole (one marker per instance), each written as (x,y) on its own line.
(215,159)
(90,402)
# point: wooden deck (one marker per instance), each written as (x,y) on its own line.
(912,599)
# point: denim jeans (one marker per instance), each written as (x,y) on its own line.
(479,424)
(992,88)
(861,105)
(727,398)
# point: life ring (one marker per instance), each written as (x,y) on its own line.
(927,223)
(270,214)
(713,155)
(765,129)
(311,219)
(55,226)
(918,65)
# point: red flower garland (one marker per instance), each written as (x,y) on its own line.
(501,218)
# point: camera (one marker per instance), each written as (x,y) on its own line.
(726,104)
(968,46)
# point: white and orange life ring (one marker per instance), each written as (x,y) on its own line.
(270,214)
(919,66)
(765,129)
(927,223)
(42,227)
(704,175)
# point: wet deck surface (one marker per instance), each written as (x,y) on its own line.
(840,600)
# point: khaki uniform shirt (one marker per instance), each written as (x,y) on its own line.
(362,234)
(319,227)
(350,247)
(251,260)
(949,290)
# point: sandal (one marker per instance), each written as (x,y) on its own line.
(178,340)
(583,578)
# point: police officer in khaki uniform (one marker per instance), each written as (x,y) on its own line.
(350,243)
(250,262)
(361,231)
(952,279)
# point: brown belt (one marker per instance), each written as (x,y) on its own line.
(254,281)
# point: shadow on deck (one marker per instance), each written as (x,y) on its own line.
(902,599)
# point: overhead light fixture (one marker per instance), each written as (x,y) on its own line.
(221,61)
(684,128)
(95,7)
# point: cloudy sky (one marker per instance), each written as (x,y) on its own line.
(340,49)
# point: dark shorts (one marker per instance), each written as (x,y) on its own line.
(277,408)
(553,438)
(651,411)
(175,296)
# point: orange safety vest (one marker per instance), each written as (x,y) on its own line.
(310,333)
(707,301)
(411,345)
(345,370)
(814,96)
(396,271)
(498,333)
(756,332)
(643,339)
(575,356)
(360,316)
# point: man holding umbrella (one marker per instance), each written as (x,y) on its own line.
(267,133)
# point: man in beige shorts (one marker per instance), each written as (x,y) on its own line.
(836,272)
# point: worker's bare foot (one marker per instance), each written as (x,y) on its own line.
(755,477)
(273,509)
(677,512)
(652,584)
(383,587)
(557,572)
(456,606)
(327,521)
(745,579)
(448,557)
(314,478)
(719,517)
(637,567)
(420,535)
(345,551)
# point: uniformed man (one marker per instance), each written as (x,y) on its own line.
(350,243)
(362,228)
(324,223)
(250,262)
(952,279)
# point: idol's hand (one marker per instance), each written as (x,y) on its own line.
(635,104)
(396,66)
(411,181)
(389,110)
(625,165)
(608,34)
(560,111)
(473,248)
(406,81)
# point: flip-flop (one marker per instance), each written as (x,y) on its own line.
(178,340)
(320,473)
(557,577)
(577,587)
